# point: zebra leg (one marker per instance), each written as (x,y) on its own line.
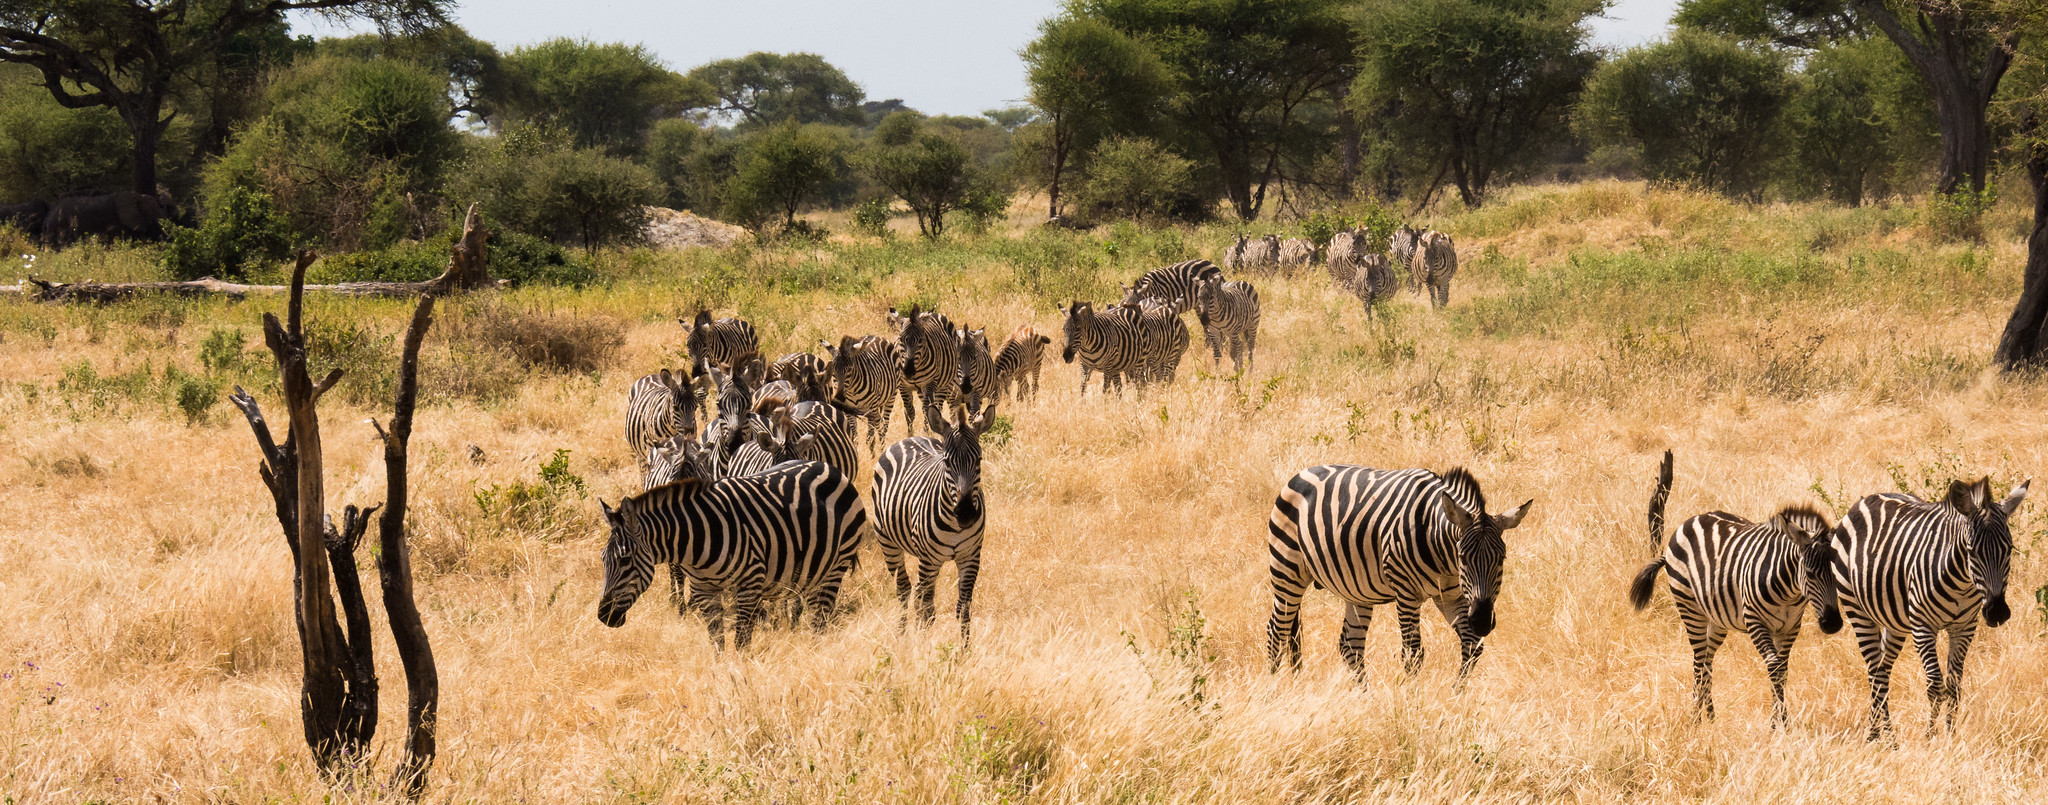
(1880,649)
(1351,644)
(1704,647)
(892,556)
(1215,338)
(1924,638)
(1251,345)
(1959,638)
(1470,646)
(1283,629)
(970,569)
(1443,292)
(746,604)
(927,587)
(679,589)
(909,412)
(708,598)
(1409,615)
(1084,381)
(1776,653)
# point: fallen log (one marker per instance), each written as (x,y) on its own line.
(467,270)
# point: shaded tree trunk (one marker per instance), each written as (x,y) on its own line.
(394,567)
(2024,343)
(1961,61)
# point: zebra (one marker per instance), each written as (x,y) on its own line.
(720,343)
(771,439)
(1374,281)
(1175,283)
(808,373)
(865,375)
(796,528)
(1229,313)
(1731,575)
(1162,338)
(931,360)
(1236,256)
(1106,342)
(1401,246)
(658,406)
(728,428)
(1375,537)
(1296,253)
(784,430)
(1022,354)
(977,367)
(1263,255)
(928,505)
(674,459)
(1905,566)
(1345,249)
(1431,268)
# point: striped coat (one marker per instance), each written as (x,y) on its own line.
(1904,567)
(1229,314)
(1174,284)
(1296,253)
(931,360)
(866,374)
(658,407)
(977,367)
(796,527)
(720,342)
(929,510)
(1108,342)
(1163,339)
(1373,537)
(1434,263)
(1019,361)
(1730,575)
(1373,282)
(1401,247)
(1345,249)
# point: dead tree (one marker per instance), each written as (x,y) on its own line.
(338,690)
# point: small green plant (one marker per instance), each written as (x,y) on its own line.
(194,395)
(1959,216)
(1322,225)
(541,508)
(242,232)
(1187,646)
(871,218)
(223,350)
(1000,431)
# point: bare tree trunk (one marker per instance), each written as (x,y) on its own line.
(2024,343)
(1961,55)
(394,567)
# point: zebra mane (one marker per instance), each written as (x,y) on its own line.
(663,495)
(1464,489)
(1806,518)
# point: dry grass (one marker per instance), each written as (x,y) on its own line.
(146,633)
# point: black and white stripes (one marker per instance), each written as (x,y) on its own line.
(1108,341)
(929,510)
(1229,314)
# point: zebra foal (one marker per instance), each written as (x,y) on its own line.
(1018,362)
(1373,537)
(1434,263)
(796,527)
(1731,575)
(929,510)
(866,374)
(1909,567)
(1109,342)
(658,407)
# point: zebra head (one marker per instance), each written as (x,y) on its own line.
(1808,529)
(699,339)
(628,561)
(1989,545)
(961,439)
(1481,548)
(775,430)
(683,402)
(1080,322)
(675,459)
(909,337)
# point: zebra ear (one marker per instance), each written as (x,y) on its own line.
(1966,497)
(1460,519)
(2012,501)
(1513,517)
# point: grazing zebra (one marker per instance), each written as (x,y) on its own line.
(928,505)
(1162,338)
(1263,255)
(1342,263)
(795,528)
(866,374)
(1174,284)
(658,406)
(931,360)
(808,373)
(1731,575)
(674,459)
(1106,342)
(1023,352)
(1401,537)
(977,367)
(1434,263)
(1908,567)
(1401,246)
(1296,253)
(1229,313)
(1237,255)
(1374,281)
(720,343)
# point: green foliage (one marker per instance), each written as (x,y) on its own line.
(783,167)
(351,150)
(871,218)
(1959,216)
(1475,90)
(224,350)
(195,395)
(1797,23)
(691,164)
(543,508)
(1088,81)
(1322,225)
(47,150)
(771,88)
(568,195)
(606,96)
(242,233)
(1136,178)
(1699,108)
(1859,121)
(933,175)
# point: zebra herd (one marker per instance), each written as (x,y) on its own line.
(1428,257)
(755,497)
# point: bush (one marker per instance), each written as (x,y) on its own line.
(243,232)
(562,342)
(581,196)
(1134,177)
(521,258)
(1700,109)
(543,509)
(47,150)
(528,260)
(871,218)
(1959,216)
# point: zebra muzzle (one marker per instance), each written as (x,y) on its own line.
(1996,613)
(1481,618)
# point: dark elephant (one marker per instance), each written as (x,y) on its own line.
(27,216)
(115,215)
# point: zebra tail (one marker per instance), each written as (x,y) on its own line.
(1661,493)
(1645,585)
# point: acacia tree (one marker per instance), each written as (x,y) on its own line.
(930,171)
(604,95)
(1477,90)
(1088,81)
(783,167)
(1701,108)
(130,56)
(2024,344)
(767,88)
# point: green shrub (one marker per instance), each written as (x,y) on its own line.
(1134,177)
(528,260)
(531,184)
(541,509)
(1959,216)
(1322,225)
(871,218)
(405,262)
(243,232)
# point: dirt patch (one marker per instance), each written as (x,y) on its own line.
(681,229)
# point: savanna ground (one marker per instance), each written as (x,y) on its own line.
(1787,353)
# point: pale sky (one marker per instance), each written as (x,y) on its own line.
(940,56)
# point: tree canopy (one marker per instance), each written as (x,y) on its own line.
(1700,109)
(605,95)
(769,88)
(1089,81)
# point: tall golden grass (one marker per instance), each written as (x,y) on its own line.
(1786,354)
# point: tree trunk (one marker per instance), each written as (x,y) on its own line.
(394,567)
(2022,345)
(1961,61)
(145,126)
